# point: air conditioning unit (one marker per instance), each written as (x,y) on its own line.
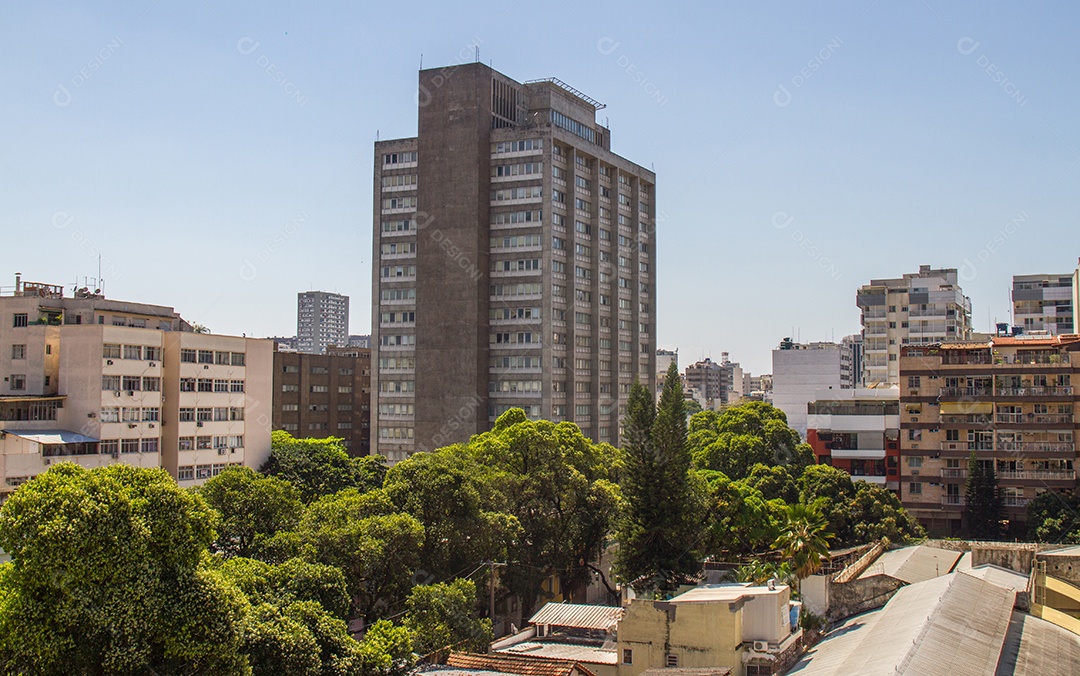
(132,425)
(221,451)
(46,461)
(131,393)
(761,646)
(116,454)
(151,425)
(109,362)
(198,424)
(91,415)
(153,364)
(914,472)
(117,393)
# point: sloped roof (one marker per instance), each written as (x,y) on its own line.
(1002,577)
(726,593)
(562,651)
(52,436)
(578,616)
(954,624)
(914,564)
(514,664)
(701,671)
(1035,646)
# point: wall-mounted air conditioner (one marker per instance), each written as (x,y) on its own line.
(761,646)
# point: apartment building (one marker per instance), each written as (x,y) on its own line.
(858,431)
(927,306)
(801,371)
(1043,303)
(516,263)
(718,384)
(325,395)
(322,319)
(1012,400)
(96,381)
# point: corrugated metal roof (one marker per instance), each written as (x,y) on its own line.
(578,616)
(563,651)
(1002,577)
(516,664)
(914,564)
(703,671)
(955,624)
(728,592)
(1035,646)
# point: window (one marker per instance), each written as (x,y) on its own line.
(320,388)
(206,356)
(21,320)
(187,356)
(236,413)
(221,358)
(133,352)
(914,382)
(205,385)
(236,385)
(915,488)
(152,353)
(627,656)
(287,387)
(221,413)
(344,389)
(132,383)
(187,472)
(187,384)
(187,415)
(914,461)
(151,414)
(110,414)
(109,446)
(129,445)
(203,443)
(149,445)
(204,414)
(110,351)
(110,382)
(151,384)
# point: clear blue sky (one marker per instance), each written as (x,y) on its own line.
(220,157)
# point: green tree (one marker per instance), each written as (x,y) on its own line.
(288,582)
(105,577)
(252,508)
(875,512)
(832,492)
(321,466)
(557,485)
(774,482)
(982,503)
(376,547)
(740,437)
(658,541)
(442,617)
(736,518)
(443,490)
(804,539)
(1055,517)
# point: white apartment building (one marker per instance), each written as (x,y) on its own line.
(799,371)
(923,307)
(1043,303)
(322,318)
(97,381)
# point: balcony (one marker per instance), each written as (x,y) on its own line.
(1033,392)
(952,501)
(966,392)
(1037,360)
(1013,501)
(1036,446)
(968,419)
(953,473)
(1038,475)
(1032,418)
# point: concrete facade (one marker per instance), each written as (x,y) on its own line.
(322,319)
(1043,303)
(1011,400)
(97,381)
(325,395)
(516,264)
(858,431)
(927,306)
(800,372)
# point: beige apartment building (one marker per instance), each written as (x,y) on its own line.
(1011,400)
(515,264)
(95,381)
(927,306)
(1044,303)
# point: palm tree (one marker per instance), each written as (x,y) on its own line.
(804,540)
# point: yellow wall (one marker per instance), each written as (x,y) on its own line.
(700,634)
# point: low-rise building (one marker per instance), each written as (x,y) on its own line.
(1010,400)
(858,431)
(97,381)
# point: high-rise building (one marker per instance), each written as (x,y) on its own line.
(923,307)
(322,319)
(325,395)
(858,431)
(516,263)
(97,381)
(1012,400)
(851,360)
(799,372)
(1043,303)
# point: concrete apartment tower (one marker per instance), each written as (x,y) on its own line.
(1043,303)
(515,264)
(322,319)
(927,306)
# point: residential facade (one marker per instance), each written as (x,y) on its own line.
(96,381)
(325,395)
(1012,400)
(322,319)
(927,306)
(1043,303)
(516,263)
(858,431)
(799,372)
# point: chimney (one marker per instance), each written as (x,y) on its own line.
(18,283)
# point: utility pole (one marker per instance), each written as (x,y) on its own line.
(491,593)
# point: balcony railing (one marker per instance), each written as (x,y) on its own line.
(966,392)
(1039,475)
(1022,418)
(1036,446)
(970,419)
(1033,391)
(1032,359)
(1013,501)
(953,500)
(953,473)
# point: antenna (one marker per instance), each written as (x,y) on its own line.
(477,53)
(421,62)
